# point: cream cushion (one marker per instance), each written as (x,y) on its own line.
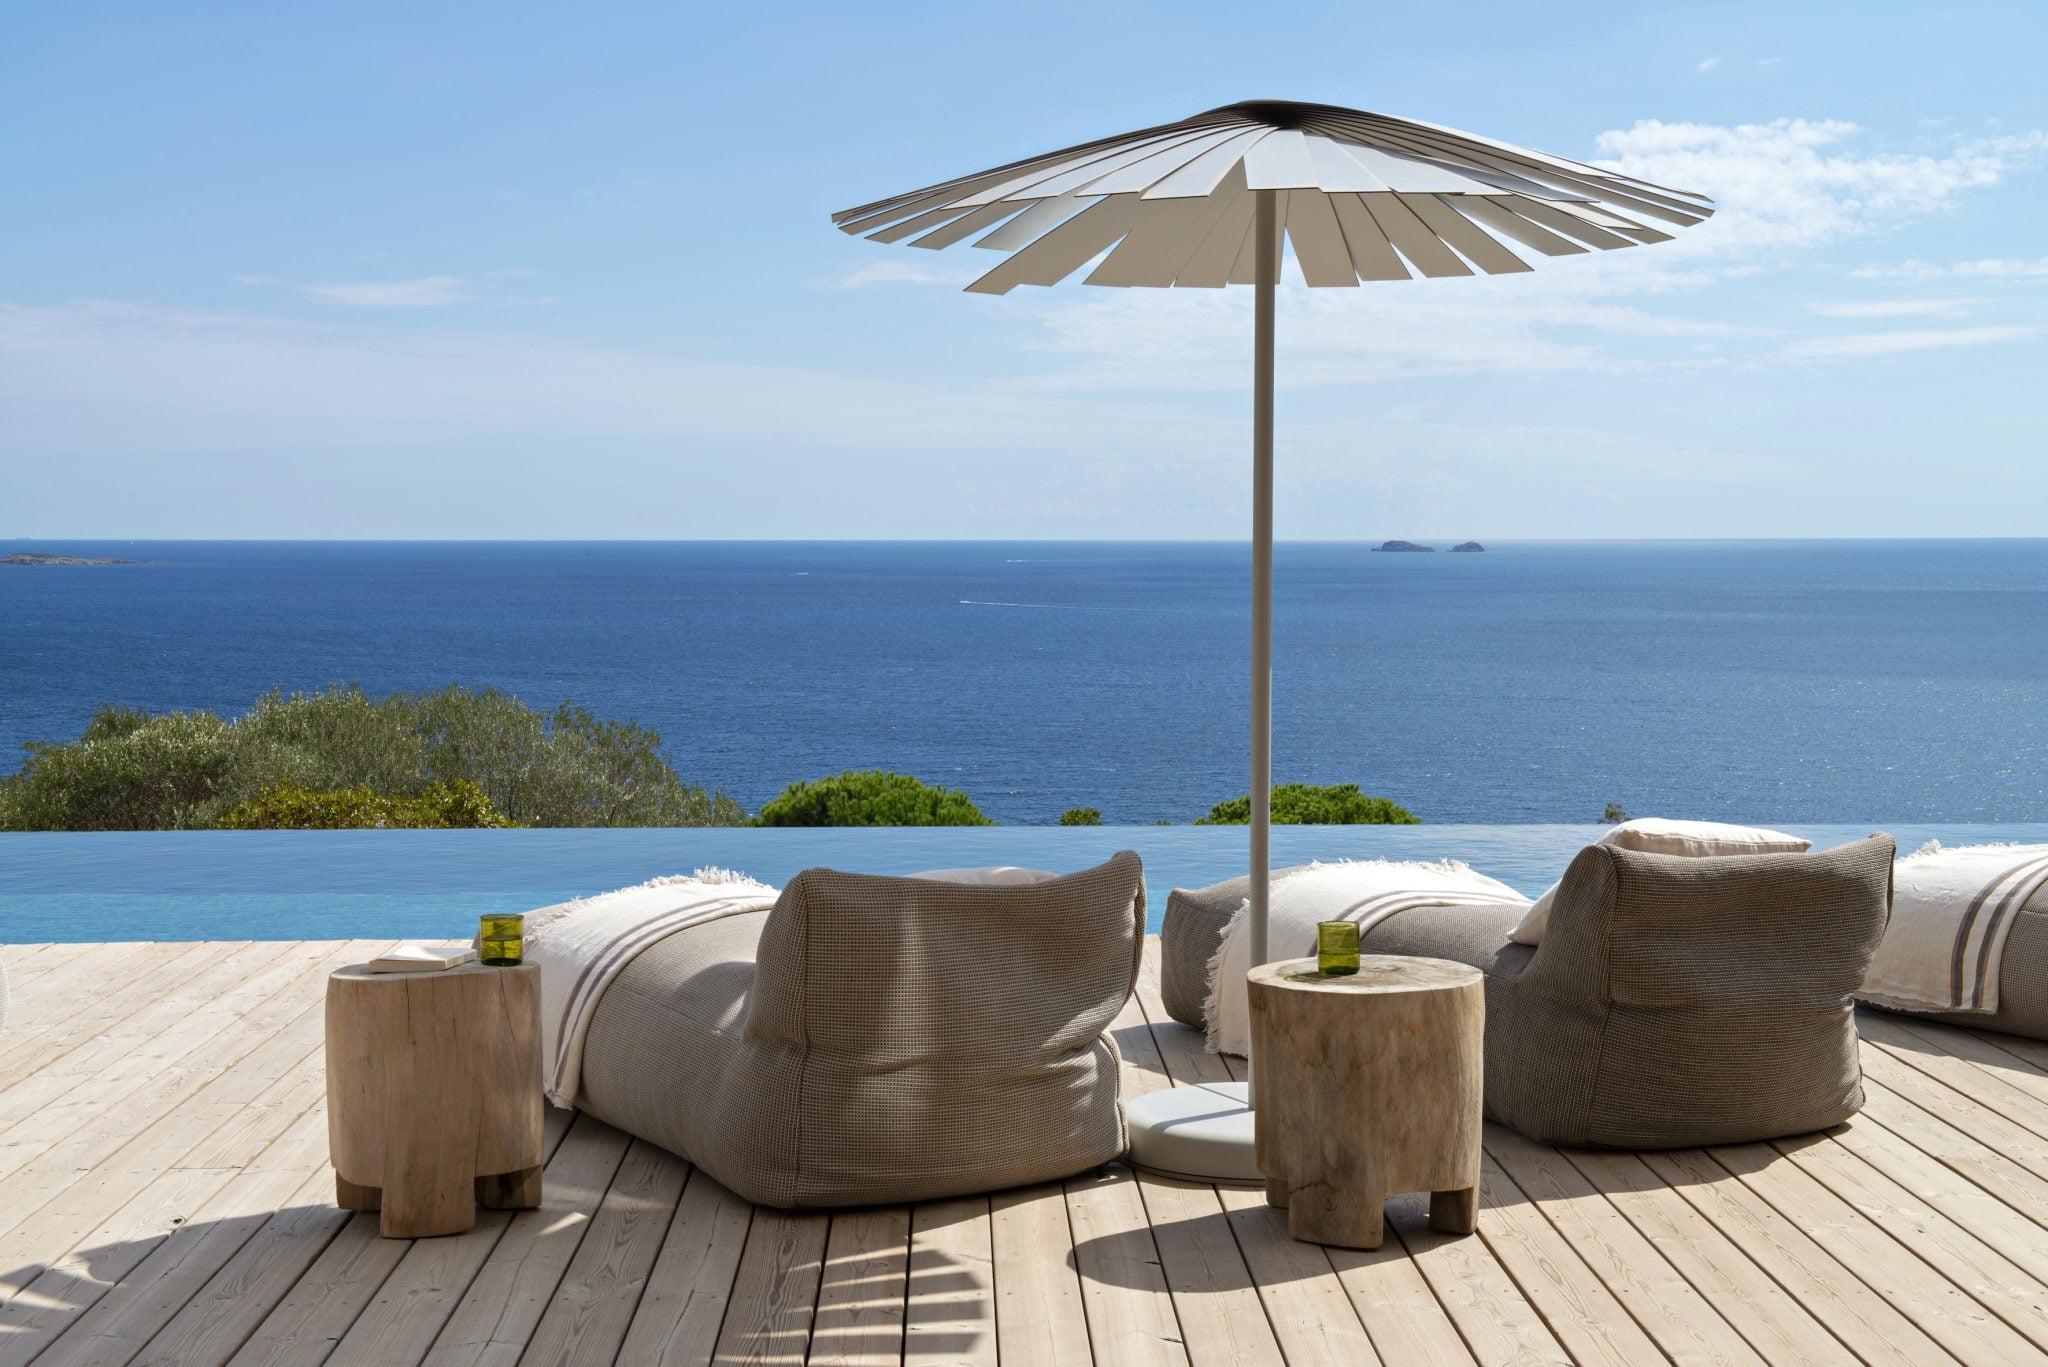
(1362,890)
(999,876)
(1656,835)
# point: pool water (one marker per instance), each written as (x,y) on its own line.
(289,885)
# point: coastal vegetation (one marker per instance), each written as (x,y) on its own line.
(133,771)
(472,758)
(1306,804)
(872,797)
(460,805)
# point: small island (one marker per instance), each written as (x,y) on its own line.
(37,558)
(1401,546)
(1467,546)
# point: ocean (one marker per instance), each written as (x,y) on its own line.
(1819,682)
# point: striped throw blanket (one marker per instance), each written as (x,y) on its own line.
(1364,890)
(1951,913)
(581,946)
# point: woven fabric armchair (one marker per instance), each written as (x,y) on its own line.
(880,1040)
(1673,1001)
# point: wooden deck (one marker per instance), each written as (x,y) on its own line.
(164,1199)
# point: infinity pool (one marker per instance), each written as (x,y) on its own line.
(243,885)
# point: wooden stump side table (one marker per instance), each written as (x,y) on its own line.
(1367,1086)
(433,1094)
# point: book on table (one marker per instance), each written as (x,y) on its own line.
(414,957)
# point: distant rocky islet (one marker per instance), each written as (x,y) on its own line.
(1417,546)
(38,558)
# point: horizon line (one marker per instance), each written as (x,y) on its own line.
(15,541)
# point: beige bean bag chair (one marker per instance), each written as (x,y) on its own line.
(880,1040)
(1673,1001)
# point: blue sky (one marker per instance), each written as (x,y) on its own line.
(515,270)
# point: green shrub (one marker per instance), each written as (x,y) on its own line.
(1081,816)
(439,806)
(1614,815)
(126,773)
(870,797)
(1305,804)
(187,770)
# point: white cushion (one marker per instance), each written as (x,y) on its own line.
(1655,835)
(1000,876)
(1363,890)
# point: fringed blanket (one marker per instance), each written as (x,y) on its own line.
(1365,891)
(581,946)
(1951,913)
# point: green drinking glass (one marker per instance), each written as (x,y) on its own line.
(501,940)
(1336,948)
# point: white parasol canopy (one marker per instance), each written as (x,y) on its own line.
(1361,197)
(1206,202)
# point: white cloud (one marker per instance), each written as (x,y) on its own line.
(1767,63)
(1864,344)
(1796,183)
(1783,189)
(1986,268)
(898,271)
(1707,64)
(1893,308)
(428,291)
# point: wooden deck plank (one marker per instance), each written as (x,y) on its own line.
(2012,1185)
(1208,1243)
(1868,1323)
(1935,1095)
(1123,1288)
(2019,1046)
(82,1101)
(950,1310)
(1983,1072)
(1311,1313)
(862,1289)
(301,1299)
(1769,1318)
(1399,1310)
(1916,1233)
(473,1296)
(1222,1318)
(1940,1308)
(1124,1293)
(95,1013)
(176,1273)
(1668,1307)
(768,1317)
(1582,1314)
(198,1309)
(1957,1251)
(1498,1324)
(206,1189)
(1040,1320)
(96,1003)
(68,978)
(683,1304)
(586,1319)
(67,1191)
(58,984)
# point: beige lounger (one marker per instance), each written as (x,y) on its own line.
(880,1040)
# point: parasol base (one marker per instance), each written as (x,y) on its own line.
(1202,1133)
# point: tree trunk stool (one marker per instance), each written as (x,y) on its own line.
(1366,1086)
(433,1094)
